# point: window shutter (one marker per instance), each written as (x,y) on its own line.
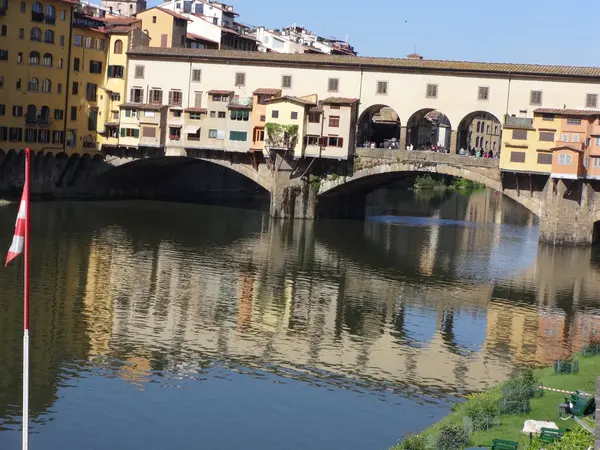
(122,132)
(170,97)
(136,133)
(323,141)
(131,93)
(340,142)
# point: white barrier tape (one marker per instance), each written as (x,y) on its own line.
(563,391)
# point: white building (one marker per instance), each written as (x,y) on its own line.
(124,7)
(295,39)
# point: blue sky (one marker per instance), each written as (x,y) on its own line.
(535,31)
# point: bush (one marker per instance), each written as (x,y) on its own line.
(413,442)
(521,388)
(577,439)
(452,437)
(483,409)
(593,346)
(427,182)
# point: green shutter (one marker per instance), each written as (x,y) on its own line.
(136,133)
(122,132)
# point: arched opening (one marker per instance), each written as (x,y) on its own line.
(34,58)
(44,113)
(428,128)
(48,59)
(118,48)
(479,132)
(378,127)
(31,113)
(47,85)
(36,34)
(49,37)
(34,85)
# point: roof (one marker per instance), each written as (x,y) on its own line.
(118,20)
(196,37)
(289,98)
(567,147)
(340,101)
(143,106)
(220,92)
(120,29)
(363,62)
(172,13)
(267,91)
(567,112)
(199,110)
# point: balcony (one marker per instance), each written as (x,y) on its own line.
(241,103)
(37,16)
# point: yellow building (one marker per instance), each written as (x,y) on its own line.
(165,28)
(86,78)
(34,48)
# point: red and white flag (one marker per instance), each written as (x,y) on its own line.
(18,242)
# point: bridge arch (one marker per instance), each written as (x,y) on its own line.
(479,130)
(427,127)
(367,179)
(379,124)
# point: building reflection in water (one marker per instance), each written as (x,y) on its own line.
(431,307)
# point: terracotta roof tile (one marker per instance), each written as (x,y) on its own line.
(369,62)
(567,112)
(267,91)
(200,110)
(220,92)
(290,98)
(119,29)
(567,147)
(340,101)
(117,20)
(142,106)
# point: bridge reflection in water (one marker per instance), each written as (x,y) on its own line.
(135,288)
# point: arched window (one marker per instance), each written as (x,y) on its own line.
(118,47)
(31,113)
(44,113)
(50,13)
(34,58)
(37,8)
(36,34)
(478,126)
(34,84)
(49,37)
(47,85)
(48,60)
(477,140)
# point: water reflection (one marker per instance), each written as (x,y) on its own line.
(148,292)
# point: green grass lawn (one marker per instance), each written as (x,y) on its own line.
(543,408)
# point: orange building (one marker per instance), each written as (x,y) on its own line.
(259,114)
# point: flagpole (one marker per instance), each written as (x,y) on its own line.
(26,193)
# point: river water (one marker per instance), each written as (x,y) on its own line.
(164,325)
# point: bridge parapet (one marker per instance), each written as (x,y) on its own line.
(368,156)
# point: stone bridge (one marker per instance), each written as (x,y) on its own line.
(568,210)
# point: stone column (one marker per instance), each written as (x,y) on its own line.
(453,138)
(567,213)
(403,133)
(291,197)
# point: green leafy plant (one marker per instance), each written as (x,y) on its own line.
(452,437)
(283,136)
(483,410)
(413,442)
(427,182)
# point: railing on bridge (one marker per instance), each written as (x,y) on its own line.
(388,156)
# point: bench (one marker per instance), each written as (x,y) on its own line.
(582,405)
(549,435)
(502,444)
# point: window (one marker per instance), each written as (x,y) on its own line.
(3,30)
(573,121)
(432,91)
(517,157)
(596,162)
(62,40)
(544,158)
(240,79)
(34,58)
(197,99)
(58,114)
(130,132)
(91,92)
(49,37)
(46,85)
(30,135)
(520,135)
(195,116)
(18,84)
(58,137)
(44,136)
(115,72)
(3,133)
(47,60)
(535,98)
(483,93)
(274,114)
(60,63)
(237,114)
(95,66)
(15,134)
(294,115)
(177,113)
(175,98)
(76,64)
(36,34)
(71,138)
(565,137)
(73,112)
(115,97)
(286,81)
(136,95)
(241,136)
(597,141)
(75,90)
(333,84)
(382,87)
(565,160)
(259,134)
(149,132)
(2,110)
(33,85)
(100,44)
(591,100)
(312,140)
(196,75)
(88,42)
(1,82)
(213,114)
(548,117)
(222,115)
(63,15)
(334,121)
(3,55)
(212,134)
(78,40)
(130,113)
(586,162)
(335,141)
(575,137)
(19,58)
(139,71)
(23,7)
(21,33)
(118,47)
(153,19)
(50,14)
(174,133)
(314,117)
(546,136)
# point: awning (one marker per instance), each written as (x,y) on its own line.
(191,129)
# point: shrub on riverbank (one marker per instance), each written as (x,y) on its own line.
(509,426)
(576,439)
(429,183)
